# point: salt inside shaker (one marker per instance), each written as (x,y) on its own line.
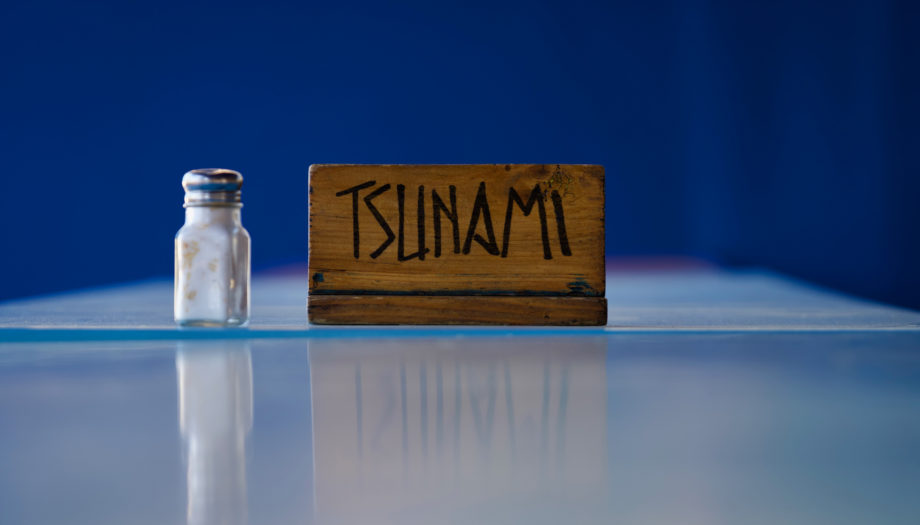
(212,252)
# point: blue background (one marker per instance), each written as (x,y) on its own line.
(780,134)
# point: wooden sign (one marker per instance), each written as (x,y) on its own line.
(457,244)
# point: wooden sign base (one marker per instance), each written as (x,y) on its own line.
(457,310)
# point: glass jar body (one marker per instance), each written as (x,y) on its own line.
(212,268)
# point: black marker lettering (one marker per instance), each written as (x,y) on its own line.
(438,206)
(400,247)
(380,220)
(560,223)
(354,207)
(536,196)
(481,206)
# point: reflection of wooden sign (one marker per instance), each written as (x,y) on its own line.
(413,431)
(458,244)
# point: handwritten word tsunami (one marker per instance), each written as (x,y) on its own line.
(440,209)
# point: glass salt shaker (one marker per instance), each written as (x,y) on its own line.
(212,252)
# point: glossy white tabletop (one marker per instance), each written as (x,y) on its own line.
(763,402)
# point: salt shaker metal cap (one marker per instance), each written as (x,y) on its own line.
(212,187)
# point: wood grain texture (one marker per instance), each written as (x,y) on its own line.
(557,249)
(462,310)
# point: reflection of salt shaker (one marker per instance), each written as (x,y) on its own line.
(215,415)
(212,252)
